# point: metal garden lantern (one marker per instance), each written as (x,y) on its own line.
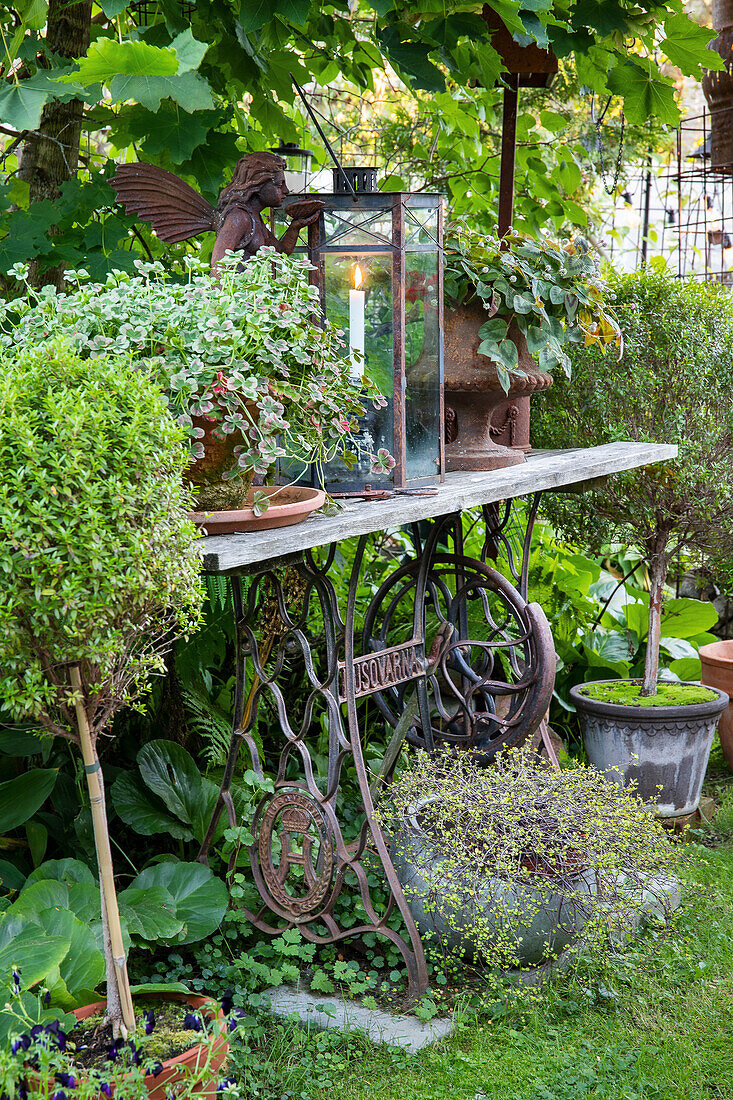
(297,172)
(378,265)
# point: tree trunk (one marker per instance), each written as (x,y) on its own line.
(657,577)
(50,154)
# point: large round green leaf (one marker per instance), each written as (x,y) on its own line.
(133,804)
(82,968)
(200,897)
(41,895)
(150,913)
(81,899)
(34,952)
(21,797)
(63,870)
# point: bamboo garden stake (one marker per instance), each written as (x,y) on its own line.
(104,855)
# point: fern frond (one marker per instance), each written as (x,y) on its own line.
(218,591)
(211,724)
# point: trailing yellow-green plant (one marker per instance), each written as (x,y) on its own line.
(516,862)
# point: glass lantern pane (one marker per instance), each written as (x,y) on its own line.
(357,228)
(422,365)
(358,300)
(421,227)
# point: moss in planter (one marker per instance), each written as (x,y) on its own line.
(169,1037)
(627,693)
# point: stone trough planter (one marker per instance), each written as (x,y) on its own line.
(539,927)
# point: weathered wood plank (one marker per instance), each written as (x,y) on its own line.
(542,470)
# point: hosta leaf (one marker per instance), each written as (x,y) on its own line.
(21,797)
(684,618)
(134,805)
(172,773)
(678,648)
(687,668)
(201,899)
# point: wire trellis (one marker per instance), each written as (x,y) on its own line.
(681,210)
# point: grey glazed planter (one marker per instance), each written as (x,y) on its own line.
(664,750)
(540,926)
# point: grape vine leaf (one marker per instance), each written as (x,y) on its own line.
(645,95)
(686,45)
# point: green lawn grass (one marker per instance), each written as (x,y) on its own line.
(655,1030)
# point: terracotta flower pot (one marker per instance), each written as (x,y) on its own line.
(160,1087)
(474,396)
(717,672)
(206,474)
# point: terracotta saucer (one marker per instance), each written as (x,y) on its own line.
(290,504)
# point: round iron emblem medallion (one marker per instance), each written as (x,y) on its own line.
(296,853)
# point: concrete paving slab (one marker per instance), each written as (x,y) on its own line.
(406,1032)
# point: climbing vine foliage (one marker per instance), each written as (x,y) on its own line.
(192,84)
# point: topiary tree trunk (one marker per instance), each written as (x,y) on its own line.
(658,567)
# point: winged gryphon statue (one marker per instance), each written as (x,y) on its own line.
(178,212)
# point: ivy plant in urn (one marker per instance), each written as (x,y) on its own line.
(512,306)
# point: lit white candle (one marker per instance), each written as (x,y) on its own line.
(356,323)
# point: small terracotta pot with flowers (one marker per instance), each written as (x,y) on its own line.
(80,1061)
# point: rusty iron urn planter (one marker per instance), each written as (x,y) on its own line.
(478,411)
(717,672)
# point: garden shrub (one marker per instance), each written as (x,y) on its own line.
(673,383)
(98,561)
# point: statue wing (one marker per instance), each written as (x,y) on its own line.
(175,210)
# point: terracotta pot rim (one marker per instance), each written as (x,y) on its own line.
(307,500)
(302,494)
(650,715)
(718,653)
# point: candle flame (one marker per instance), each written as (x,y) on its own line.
(358,278)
